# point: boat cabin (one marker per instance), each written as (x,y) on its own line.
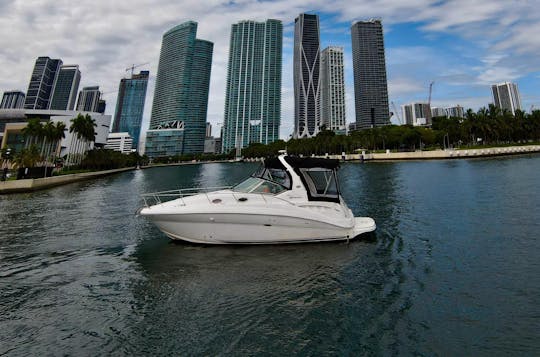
(318,177)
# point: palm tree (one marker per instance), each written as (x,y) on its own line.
(27,157)
(33,131)
(59,134)
(48,133)
(82,126)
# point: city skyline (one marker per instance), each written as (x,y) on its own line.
(463,48)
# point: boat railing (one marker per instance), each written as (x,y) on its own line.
(155,198)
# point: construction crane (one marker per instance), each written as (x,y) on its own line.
(397,113)
(430,91)
(132,68)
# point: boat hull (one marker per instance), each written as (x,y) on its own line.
(221,228)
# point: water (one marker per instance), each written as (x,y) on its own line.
(454,270)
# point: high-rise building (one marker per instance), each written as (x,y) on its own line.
(65,89)
(307,116)
(438,112)
(455,112)
(208,130)
(506,96)
(417,114)
(102,105)
(181,94)
(369,67)
(12,100)
(130,105)
(41,83)
(89,99)
(333,90)
(253,94)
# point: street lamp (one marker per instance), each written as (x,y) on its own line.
(6,158)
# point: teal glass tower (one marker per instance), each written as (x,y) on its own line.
(181,93)
(253,94)
(130,106)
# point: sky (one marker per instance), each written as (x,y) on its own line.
(462,46)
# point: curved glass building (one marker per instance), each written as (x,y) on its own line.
(181,93)
(307,96)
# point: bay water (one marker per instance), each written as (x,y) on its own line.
(454,269)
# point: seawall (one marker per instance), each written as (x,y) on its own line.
(440,154)
(29,185)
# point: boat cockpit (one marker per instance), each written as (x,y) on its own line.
(318,177)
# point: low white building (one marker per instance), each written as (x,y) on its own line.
(122,142)
(21,116)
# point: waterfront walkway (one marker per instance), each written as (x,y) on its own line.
(28,185)
(440,154)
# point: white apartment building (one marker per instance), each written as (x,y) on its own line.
(122,142)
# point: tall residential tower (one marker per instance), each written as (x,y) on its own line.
(130,106)
(12,100)
(307,120)
(506,96)
(253,95)
(65,89)
(333,90)
(369,67)
(41,83)
(89,99)
(178,119)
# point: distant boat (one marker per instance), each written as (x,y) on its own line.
(287,200)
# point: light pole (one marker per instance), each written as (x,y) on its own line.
(5,159)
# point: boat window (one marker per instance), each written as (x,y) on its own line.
(278,176)
(321,183)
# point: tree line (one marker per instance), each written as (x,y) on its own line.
(487,126)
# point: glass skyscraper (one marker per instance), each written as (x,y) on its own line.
(369,67)
(41,83)
(253,94)
(65,89)
(130,106)
(307,120)
(181,94)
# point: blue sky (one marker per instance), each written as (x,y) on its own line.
(462,46)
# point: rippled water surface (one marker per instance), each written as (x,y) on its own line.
(454,270)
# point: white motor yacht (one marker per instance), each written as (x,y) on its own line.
(287,200)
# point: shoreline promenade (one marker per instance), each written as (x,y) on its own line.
(439,154)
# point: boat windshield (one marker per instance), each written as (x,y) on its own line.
(265,180)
